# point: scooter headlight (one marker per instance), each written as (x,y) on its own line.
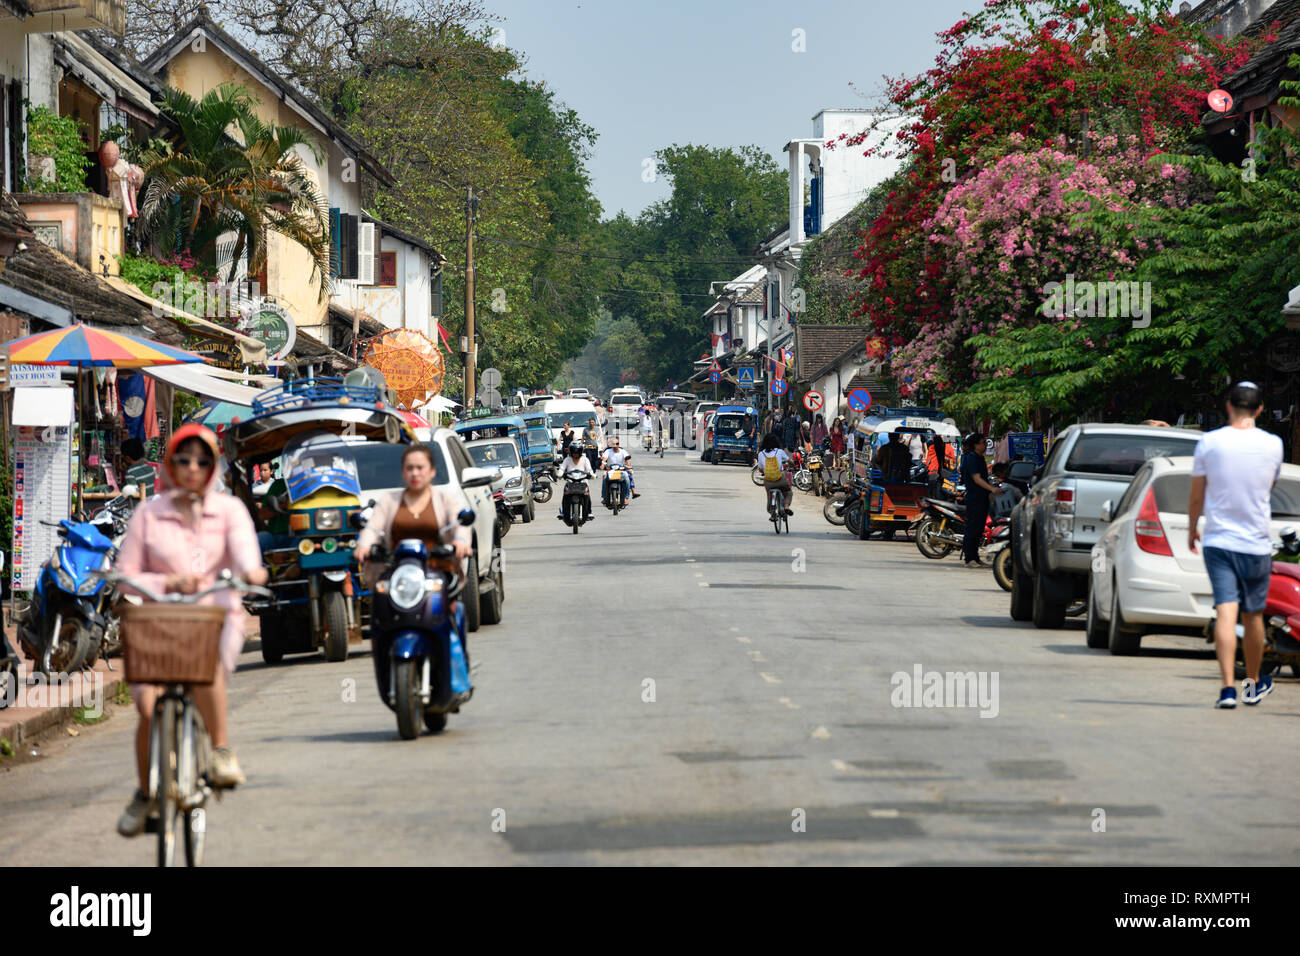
(406,587)
(88,587)
(65,580)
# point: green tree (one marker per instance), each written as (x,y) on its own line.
(722,204)
(235,175)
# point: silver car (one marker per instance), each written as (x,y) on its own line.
(503,454)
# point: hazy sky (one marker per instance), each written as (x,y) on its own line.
(713,72)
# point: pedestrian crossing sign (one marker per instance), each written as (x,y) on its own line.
(746,378)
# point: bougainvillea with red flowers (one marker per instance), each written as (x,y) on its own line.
(1016,77)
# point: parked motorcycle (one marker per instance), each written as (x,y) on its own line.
(817,473)
(1000,554)
(417,636)
(573,506)
(62,626)
(505,516)
(543,483)
(1281,613)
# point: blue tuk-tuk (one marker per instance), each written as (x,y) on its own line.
(735,434)
(542,451)
(497,426)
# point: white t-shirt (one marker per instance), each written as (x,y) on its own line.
(1240,466)
(581,466)
(615,459)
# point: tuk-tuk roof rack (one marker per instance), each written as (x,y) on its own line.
(309,391)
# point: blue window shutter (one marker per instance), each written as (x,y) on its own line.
(336,249)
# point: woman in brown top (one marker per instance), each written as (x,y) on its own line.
(421,511)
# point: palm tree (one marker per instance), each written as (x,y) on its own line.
(234,175)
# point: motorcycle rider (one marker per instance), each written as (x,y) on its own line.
(772,451)
(576,465)
(614,457)
(178,541)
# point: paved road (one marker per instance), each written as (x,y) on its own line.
(771,660)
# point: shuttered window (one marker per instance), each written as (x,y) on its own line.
(335,231)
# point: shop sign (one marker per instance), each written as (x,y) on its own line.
(271,323)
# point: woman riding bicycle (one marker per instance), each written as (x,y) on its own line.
(179,541)
(772,459)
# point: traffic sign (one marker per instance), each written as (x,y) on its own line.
(490,397)
(715,377)
(778,386)
(813,401)
(746,377)
(715,367)
(859,399)
(490,378)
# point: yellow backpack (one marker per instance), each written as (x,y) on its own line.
(772,468)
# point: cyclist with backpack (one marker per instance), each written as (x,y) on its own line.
(774,462)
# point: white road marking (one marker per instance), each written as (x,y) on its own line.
(821,733)
(840,765)
(690,560)
(703,584)
(770,678)
(757,657)
(889,814)
(699,574)
(788,702)
(744,640)
(733,629)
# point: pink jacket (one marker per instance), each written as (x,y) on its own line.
(176,533)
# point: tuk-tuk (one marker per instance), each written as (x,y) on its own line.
(497,426)
(541,443)
(735,434)
(304,517)
(896,489)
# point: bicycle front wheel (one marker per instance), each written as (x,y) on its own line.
(195,754)
(164,765)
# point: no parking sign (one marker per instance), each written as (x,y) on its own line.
(779,386)
(859,399)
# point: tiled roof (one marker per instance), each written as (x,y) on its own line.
(51,276)
(818,346)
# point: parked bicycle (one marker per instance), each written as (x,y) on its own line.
(175,641)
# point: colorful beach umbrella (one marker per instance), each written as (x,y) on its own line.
(84,347)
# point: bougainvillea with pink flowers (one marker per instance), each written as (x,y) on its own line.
(1001,236)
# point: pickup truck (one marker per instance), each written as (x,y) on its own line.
(1055,526)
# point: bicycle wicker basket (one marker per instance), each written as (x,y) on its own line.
(172,643)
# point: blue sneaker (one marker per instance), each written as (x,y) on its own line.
(1227,698)
(1252,692)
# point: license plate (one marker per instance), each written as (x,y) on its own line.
(615,476)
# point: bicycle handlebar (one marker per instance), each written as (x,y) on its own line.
(225,582)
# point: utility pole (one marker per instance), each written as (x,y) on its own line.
(471,355)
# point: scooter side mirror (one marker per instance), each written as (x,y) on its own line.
(466,517)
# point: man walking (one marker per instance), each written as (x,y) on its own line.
(1233,472)
(790,431)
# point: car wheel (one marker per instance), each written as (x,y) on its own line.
(1022,593)
(1095,629)
(470,595)
(1046,614)
(1122,638)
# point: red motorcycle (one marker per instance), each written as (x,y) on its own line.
(1281,612)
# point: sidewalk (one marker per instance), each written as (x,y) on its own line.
(55,703)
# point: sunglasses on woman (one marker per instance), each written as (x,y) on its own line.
(185,461)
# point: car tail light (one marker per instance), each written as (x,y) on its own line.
(1147,530)
(1063,501)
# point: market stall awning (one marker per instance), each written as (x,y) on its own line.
(42,407)
(199,380)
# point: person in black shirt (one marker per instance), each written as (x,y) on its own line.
(566,438)
(975,476)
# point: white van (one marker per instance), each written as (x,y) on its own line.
(573,411)
(577,393)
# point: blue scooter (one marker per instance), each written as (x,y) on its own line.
(63,625)
(417,636)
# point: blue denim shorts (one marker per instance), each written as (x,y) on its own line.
(1239,578)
